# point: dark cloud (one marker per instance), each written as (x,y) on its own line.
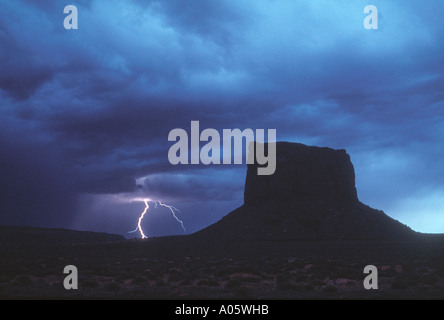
(88,111)
(22,73)
(216,21)
(201,184)
(36,189)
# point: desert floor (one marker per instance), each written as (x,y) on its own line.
(180,268)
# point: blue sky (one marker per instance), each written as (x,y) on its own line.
(85,113)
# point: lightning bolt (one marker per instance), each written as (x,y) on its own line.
(139,227)
(156,204)
(172,209)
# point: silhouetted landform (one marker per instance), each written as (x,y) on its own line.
(17,236)
(311,195)
(302,233)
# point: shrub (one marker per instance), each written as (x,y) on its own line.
(399,284)
(233,283)
(89,284)
(160,283)
(429,279)
(186,282)
(23,280)
(285,285)
(208,283)
(112,286)
(413,279)
(242,292)
(316,282)
(329,288)
(139,291)
(139,280)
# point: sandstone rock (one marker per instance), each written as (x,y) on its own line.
(303,174)
(311,196)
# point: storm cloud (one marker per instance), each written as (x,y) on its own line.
(85,114)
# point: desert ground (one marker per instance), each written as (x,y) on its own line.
(183,268)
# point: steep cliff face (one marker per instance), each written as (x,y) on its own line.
(303,174)
(311,195)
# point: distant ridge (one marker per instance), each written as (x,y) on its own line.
(312,195)
(17,235)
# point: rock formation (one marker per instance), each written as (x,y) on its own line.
(311,195)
